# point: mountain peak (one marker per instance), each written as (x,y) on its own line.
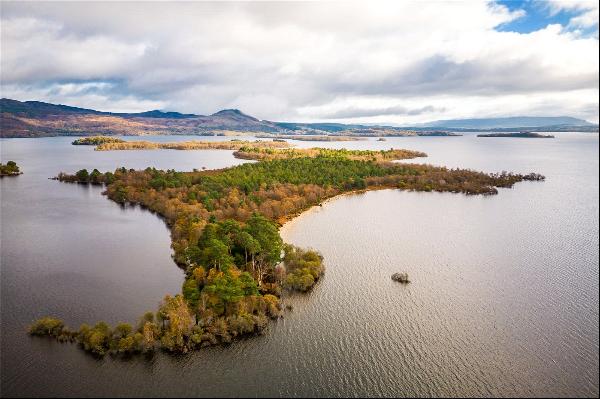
(229,111)
(233,113)
(163,114)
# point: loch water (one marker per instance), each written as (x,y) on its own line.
(503,299)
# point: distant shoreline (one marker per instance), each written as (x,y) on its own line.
(39,119)
(522,135)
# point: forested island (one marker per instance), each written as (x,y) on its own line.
(10,169)
(224,231)
(438,133)
(310,137)
(189,145)
(97,140)
(268,154)
(526,135)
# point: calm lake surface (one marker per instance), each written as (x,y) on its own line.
(503,299)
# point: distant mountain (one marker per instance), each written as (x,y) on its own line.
(234,114)
(317,127)
(37,119)
(508,123)
(159,114)
(40,109)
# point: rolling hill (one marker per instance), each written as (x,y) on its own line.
(39,119)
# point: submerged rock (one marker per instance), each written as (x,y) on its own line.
(401,277)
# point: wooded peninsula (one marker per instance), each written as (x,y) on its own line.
(225,235)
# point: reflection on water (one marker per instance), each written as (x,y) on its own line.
(503,299)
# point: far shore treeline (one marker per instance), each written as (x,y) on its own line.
(225,235)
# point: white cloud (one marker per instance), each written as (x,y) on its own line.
(407,61)
(92,95)
(586,10)
(34,49)
(578,103)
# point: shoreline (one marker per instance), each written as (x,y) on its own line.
(288,220)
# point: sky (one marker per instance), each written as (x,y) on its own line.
(398,62)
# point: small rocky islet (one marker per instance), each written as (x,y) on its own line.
(401,278)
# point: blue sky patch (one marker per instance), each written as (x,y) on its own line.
(538,16)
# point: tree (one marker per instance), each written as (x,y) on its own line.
(109,178)
(10,168)
(47,326)
(150,332)
(190,292)
(199,274)
(267,235)
(303,267)
(82,175)
(95,177)
(248,285)
(122,330)
(228,231)
(96,339)
(126,344)
(226,288)
(180,323)
(217,254)
(250,246)
(148,317)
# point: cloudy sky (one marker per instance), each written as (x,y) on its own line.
(377,62)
